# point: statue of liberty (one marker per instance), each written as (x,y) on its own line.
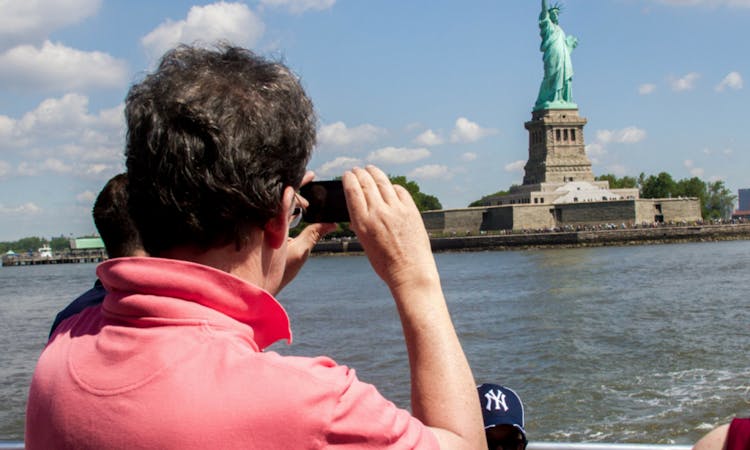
(556,91)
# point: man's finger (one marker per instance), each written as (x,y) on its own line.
(314,232)
(383,183)
(355,198)
(308,177)
(369,187)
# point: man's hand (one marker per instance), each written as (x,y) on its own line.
(390,228)
(299,248)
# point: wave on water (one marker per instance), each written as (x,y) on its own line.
(665,408)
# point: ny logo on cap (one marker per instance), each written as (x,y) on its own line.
(498,397)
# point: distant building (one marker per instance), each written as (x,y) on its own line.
(743,210)
(88,247)
(92,243)
(744,196)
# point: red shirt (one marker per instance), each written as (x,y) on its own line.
(173,358)
(738,436)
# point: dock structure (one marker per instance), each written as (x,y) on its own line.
(81,250)
(24,259)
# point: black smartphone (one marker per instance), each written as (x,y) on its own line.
(327,202)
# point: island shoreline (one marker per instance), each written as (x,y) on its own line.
(563,239)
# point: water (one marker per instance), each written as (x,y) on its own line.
(612,344)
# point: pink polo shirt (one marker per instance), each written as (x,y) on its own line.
(174,359)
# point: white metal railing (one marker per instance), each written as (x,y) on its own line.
(17,445)
(602,446)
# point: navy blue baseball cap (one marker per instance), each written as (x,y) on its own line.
(500,406)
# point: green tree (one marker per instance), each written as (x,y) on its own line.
(719,201)
(618,183)
(424,202)
(660,186)
(641,181)
(481,201)
(691,187)
(59,244)
(28,243)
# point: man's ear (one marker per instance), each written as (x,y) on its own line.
(276,230)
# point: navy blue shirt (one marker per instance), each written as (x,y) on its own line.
(92,297)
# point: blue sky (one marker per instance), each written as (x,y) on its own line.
(434,90)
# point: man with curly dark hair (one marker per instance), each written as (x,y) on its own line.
(217,146)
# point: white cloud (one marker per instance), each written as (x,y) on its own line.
(65,116)
(468,131)
(732,81)
(96,170)
(339,135)
(7,125)
(25,209)
(27,169)
(469,156)
(300,6)
(86,197)
(595,149)
(646,89)
(66,119)
(32,21)
(429,139)
(337,167)
(49,165)
(694,171)
(685,83)
(4,168)
(398,155)
(233,22)
(628,135)
(62,136)
(515,166)
(55,165)
(431,172)
(57,67)
(709,3)
(726,152)
(113,117)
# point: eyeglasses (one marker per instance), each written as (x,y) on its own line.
(510,443)
(297,210)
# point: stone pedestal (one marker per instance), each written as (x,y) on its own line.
(557,152)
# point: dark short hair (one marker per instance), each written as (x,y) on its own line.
(214,136)
(113,221)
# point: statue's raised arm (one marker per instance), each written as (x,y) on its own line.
(556,91)
(544,14)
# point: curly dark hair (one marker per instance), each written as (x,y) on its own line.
(214,136)
(112,220)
